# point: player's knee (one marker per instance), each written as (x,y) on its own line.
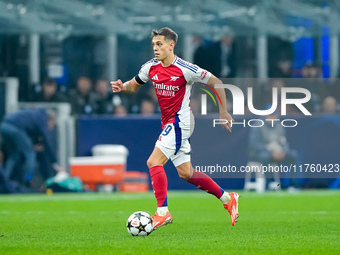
(184,175)
(151,163)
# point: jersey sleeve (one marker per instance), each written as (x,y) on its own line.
(193,73)
(143,75)
(201,75)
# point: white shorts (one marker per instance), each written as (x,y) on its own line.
(174,143)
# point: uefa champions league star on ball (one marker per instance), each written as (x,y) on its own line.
(172,79)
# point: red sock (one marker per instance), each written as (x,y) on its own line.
(159,184)
(205,183)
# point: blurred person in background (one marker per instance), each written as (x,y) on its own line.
(49,93)
(6,185)
(83,100)
(281,54)
(311,72)
(147,108)
(266,95)
(3,179)
(334,91)
(267,92)
(104,100)
(18,131)
(151,96)
(222,57)
(201,53)
(329,105)
(120,111)
(269,145)
(284,69)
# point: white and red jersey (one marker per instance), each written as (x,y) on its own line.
(173,86)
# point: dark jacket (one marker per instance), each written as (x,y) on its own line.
(56,98)
(34,123)
(215,64)
(83,104)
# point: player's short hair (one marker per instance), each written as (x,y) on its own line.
(168,34)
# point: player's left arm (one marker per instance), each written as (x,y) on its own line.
(224,114)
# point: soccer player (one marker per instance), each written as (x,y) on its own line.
(172,79)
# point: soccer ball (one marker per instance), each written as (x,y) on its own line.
(139,224)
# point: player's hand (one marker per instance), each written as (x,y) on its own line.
(227,116)
(117,86)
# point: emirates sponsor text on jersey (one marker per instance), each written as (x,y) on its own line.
(165,90)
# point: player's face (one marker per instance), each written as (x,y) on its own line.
(162,48)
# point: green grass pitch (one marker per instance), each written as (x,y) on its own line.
(269,223)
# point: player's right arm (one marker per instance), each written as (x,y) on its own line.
(128,87)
